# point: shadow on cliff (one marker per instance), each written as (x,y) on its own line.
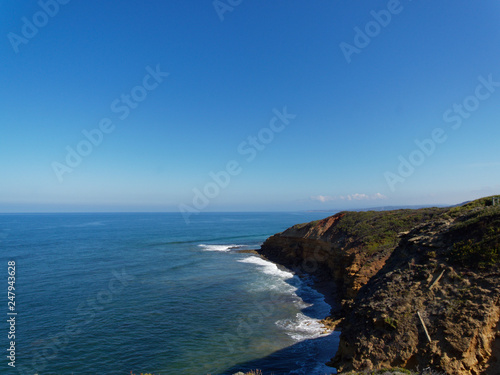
(300,358)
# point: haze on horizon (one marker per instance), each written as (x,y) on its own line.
(247,105)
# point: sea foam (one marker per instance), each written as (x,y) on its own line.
(302,327)
(222,248)
(306,324)
(268,267)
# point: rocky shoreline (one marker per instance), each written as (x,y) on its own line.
(409,288)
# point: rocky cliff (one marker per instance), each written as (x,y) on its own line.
(413,287)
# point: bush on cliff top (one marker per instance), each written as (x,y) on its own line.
(379,230)
(477,239)
(475,234)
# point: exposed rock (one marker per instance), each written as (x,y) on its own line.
(246,251)
(389,266)
(349,247)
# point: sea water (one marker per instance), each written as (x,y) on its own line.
(147,293)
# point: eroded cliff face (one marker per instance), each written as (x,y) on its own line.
(315,252)
(459,307)
(398,271)
(348,248)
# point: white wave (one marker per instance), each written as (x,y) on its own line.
(316,299)
(223,248)
(302,327)
(301,294)
(306,324)
(267,267)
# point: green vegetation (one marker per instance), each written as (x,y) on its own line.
(475,233)
(477,238)
(378,231)
(477,204)
(391,322)
(303,225)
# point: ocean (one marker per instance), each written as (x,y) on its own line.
(132,293)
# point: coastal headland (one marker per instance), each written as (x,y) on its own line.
(410,288)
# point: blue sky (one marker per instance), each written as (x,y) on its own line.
(359,82)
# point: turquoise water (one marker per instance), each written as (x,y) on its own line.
(122,293)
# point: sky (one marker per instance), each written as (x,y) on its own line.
(238,105)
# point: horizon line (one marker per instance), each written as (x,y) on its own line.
(336,210)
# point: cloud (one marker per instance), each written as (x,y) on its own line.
(321,198)
(349,197)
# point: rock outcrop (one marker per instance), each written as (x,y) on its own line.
(414,288)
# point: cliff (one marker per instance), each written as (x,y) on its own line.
(394,272)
